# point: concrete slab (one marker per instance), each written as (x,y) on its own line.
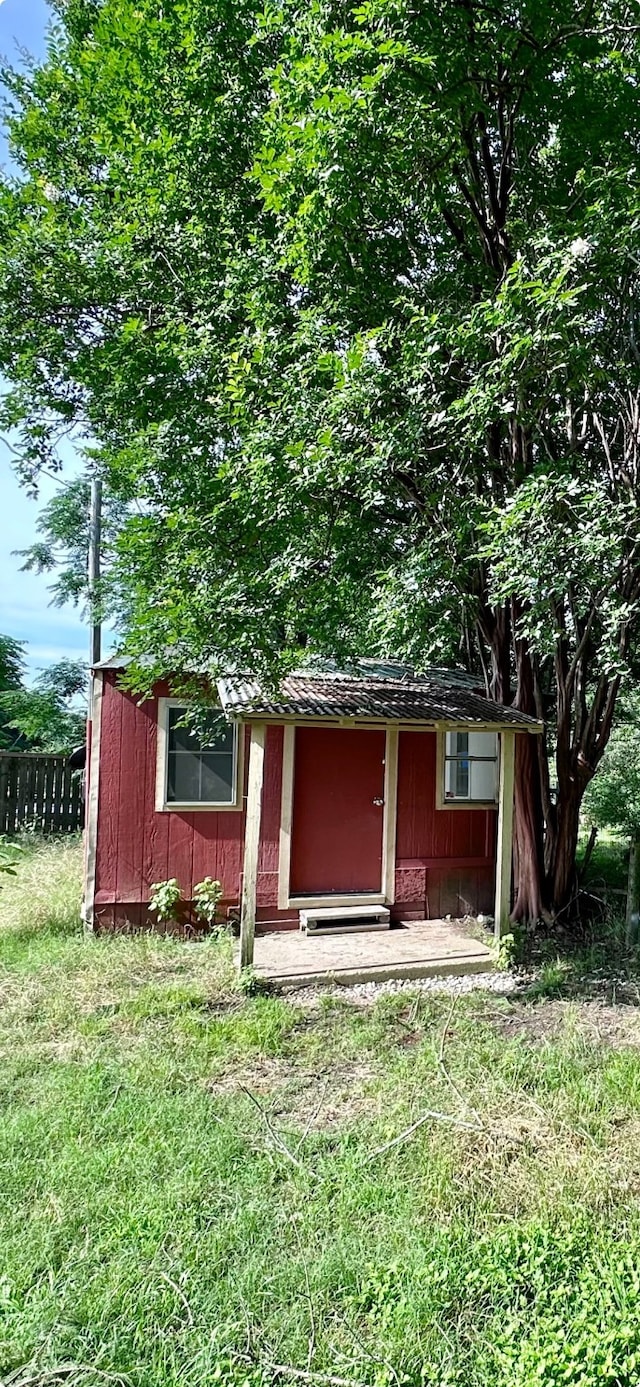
(414,949)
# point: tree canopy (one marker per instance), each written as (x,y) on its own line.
(46,716)
(347,295)
(612,799)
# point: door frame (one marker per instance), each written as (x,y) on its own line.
(386,894)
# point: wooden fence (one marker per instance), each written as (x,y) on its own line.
(40,792)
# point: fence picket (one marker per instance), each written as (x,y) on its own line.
(39,789)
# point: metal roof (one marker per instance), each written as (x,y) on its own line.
(418,698)
(114,662)
(372,690)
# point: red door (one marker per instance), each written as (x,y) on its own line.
(336,832)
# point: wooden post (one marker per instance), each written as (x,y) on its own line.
(633,890)
(504,848)
(95,602)
(4,795)
(252,844)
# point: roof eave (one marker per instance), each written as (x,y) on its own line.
(380,720)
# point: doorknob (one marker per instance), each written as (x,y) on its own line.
(378,801)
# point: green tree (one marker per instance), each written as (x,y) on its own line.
(62,547)
(44,718)
(612,799)
(347,295)
(11,663)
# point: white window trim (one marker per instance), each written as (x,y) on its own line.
(441,745)
(165,806)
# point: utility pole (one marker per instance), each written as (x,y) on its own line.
(95,529)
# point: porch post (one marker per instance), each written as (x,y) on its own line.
(504,848)
(252,844)
(91,800)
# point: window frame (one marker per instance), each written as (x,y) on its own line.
(441,759)
(166,806)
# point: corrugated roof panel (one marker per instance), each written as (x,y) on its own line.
(311,696)
(372,689)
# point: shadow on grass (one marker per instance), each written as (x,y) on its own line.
(593,961)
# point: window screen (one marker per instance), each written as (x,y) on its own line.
(201,766)
(471,766)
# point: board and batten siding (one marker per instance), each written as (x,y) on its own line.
(137,845)
(445,859)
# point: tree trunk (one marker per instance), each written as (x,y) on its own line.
(546,832)
(529,874)
(588,853)
(564,881)
(530,887)
(528,820)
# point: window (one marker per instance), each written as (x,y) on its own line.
(197,767)
(471,767)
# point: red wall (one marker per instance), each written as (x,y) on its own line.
(444,858)
(137,845)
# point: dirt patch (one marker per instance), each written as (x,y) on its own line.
(318,1099)
(595,1021)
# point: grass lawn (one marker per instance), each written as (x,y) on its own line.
(193,1190)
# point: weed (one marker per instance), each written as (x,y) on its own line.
(550,981)
(206,897)
(251,984)
(164,899)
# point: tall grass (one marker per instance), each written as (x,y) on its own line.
(44,896)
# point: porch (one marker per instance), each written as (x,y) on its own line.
(412,949)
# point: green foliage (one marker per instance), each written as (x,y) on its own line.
(333,364)
(206,896)
(551,980)
(347,298)
(164,899)
(509,950)
(11,664)
(43,718)
(40,897)
(613,797)
(63,546)
(251,984)
(8,857)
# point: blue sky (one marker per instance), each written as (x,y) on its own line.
(25,612)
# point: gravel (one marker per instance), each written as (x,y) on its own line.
(365,993)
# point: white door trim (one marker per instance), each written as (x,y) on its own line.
(286,811)
(390,818)
(386,894)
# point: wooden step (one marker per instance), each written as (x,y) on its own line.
(344,919)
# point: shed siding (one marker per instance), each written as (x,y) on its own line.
(138,845)
(444,858)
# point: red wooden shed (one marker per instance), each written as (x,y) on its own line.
(372,787)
